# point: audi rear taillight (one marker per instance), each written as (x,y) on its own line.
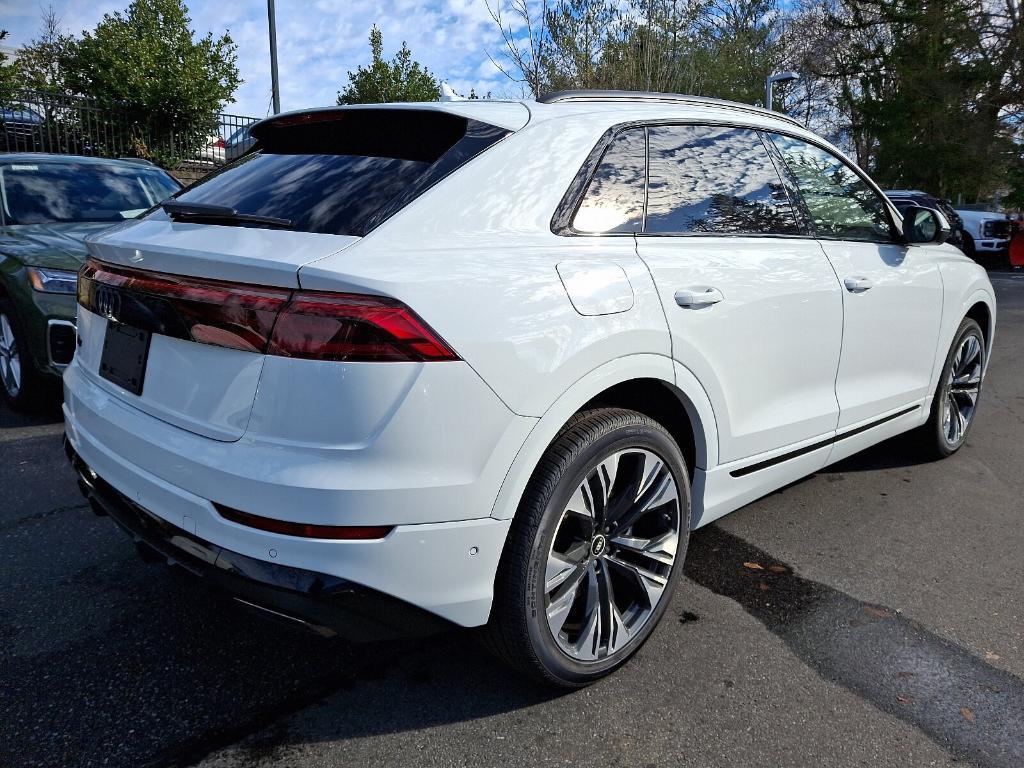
(277,321)
(233,315)
(354,328)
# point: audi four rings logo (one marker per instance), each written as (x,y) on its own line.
(108,302)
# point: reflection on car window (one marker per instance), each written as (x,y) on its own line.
(333,194)
(615,198)
(841,203)
(49,192)
(714,179)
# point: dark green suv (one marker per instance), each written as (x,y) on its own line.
(48,205)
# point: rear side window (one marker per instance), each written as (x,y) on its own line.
(840,202)
(344,171)
(714,179)
(614,201)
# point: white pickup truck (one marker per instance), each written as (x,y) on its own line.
(985,232)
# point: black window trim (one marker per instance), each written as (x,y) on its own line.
(565,211)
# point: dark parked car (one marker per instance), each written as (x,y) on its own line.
(23,130)
(904,198)
(48,204)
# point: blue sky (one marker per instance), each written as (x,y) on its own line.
(319,41)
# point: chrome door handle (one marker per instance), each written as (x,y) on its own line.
(698,297)
(858,284)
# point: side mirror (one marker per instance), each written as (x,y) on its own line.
(924,225)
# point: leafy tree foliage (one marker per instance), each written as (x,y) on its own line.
(400,79)
(147,63)
(929,88)
(924,93)
(9,73)
(42,61)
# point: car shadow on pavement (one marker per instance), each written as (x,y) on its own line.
(964,704)
(133,664)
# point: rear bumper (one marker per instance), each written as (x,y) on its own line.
(444,568)
(326,604)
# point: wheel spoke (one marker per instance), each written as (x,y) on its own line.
(660,490)
(650,584)
(661,549)
(563,567)
(615,632)
(589,641)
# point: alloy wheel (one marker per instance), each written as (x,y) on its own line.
(612,555)
(962,389)
(10,361)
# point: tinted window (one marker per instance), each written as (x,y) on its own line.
(716,180)
(50,192)
(615,198)
(840,202)
(343,172)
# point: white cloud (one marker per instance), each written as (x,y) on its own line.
(319,41)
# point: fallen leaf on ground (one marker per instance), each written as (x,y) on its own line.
(902,699)
(989,656)
(754,566)
(968,714)
(778,569)
(878,613)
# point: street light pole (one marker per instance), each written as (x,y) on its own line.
(778,77)
(275,89)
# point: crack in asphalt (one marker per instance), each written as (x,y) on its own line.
(11,524)
(965,705)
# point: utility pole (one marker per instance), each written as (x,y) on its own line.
(275,88)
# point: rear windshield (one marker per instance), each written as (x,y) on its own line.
(55,192)
(343,172)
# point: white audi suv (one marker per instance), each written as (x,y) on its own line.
(488,363)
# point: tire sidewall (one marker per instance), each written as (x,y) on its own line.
(554,660)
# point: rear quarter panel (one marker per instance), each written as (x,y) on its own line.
(475,257)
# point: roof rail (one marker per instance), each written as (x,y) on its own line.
(557,97)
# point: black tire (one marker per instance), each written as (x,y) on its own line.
(936,437)
(518,630)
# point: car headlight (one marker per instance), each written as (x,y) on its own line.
(52,280)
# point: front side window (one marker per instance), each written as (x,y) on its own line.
(841,204)
(716,180)
(614,201)
(51,192)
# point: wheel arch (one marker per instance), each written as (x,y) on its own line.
(647,383)
(981,313)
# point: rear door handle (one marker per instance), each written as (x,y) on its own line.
(698,297)
(858,284)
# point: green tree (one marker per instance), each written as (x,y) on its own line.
(9,74)
(930,89)
(147,63)
(42,61)
(400,79)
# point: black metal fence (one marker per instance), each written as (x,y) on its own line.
(38,121)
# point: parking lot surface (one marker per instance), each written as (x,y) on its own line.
(869,615)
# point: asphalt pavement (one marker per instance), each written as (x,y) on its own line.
(869,615)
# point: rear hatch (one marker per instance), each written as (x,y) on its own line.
(178,307)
